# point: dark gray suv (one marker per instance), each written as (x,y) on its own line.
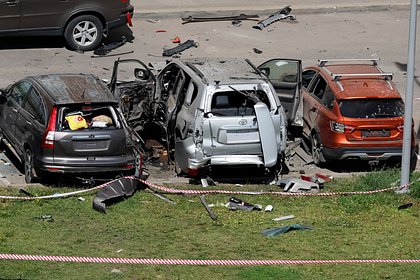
(68,123)
(81,22)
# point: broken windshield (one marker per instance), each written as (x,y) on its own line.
(372,108)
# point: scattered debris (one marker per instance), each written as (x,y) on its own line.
(212,215)
(153,20)
(117,190)
(298,185)
(186,45)
(25,192)
(280,15)
(81,198)
(284,218)
(160,31)
(205,182)
(104,50)
(46,218)
(176,40)
(257,51)
(236,23)
(228,18)
(238,204)
(284,229)
(161,196)
(405,206)
(268,208)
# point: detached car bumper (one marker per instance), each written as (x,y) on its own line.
(125,18)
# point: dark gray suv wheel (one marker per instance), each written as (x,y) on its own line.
(84,33)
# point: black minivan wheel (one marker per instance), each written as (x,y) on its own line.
(84,33)
(30,175)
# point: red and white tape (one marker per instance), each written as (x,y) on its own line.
(203,192)
(190,262)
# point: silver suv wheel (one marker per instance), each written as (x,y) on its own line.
(85,33)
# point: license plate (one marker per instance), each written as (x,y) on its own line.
(376,133)
(238,137)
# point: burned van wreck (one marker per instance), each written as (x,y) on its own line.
(213,113)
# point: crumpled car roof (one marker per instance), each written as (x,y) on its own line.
(75,88)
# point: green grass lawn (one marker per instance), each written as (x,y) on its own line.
(143,226)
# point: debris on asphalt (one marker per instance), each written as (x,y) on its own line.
(280,15)
(236,23)
(203,201)
(153,20)
(176,40)
(186,45)
(238,204)
(284,218)
(257,51)
(285,229)
(115,191)
(295,185)
(228,18)
(160,31)
(105,49)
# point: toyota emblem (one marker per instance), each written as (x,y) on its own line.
(243,122)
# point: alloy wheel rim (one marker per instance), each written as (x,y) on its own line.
(85,33)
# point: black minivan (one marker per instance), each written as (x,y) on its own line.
(66,123)
(83,23)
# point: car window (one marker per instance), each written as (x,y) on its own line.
(34,105)
(328,98)
(20,91)
(372,108)
(319,87)
(232,103)
(192,91)
(307,76)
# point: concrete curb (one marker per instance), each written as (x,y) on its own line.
(296,10)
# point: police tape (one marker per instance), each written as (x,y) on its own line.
(154,261)
(204,192)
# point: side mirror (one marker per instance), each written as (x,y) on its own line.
(3,98)
(141,74)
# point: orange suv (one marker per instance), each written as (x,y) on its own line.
(352,110)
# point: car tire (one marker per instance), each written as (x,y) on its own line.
(316,151)
(84,33)
(29,168)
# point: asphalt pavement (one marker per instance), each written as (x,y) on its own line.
(180,8)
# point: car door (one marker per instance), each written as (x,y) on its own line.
(307,78)
(30,122)
(45,13)
(9,15)
(312,103)
(15,99)
(286,77)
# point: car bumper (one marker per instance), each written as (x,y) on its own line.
(367,153)
(82,165)
(124,18)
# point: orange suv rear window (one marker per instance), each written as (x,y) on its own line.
(371,108)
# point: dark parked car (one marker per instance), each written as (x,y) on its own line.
(68,123)
(81,22)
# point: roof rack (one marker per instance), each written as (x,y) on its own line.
(323,62)
(387,76)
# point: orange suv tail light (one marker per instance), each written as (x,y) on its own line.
(48,138)
(341,127)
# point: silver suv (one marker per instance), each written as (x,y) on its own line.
(216,112)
